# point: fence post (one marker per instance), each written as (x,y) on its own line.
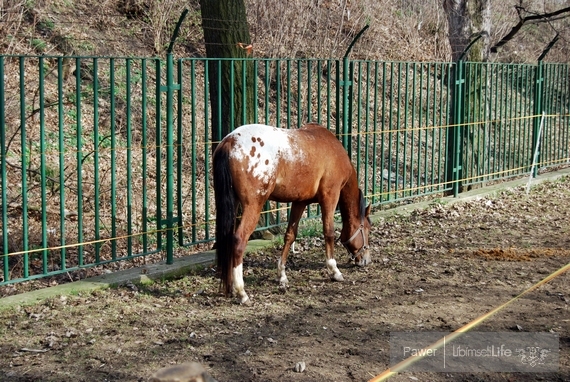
(346,83)
(3,175)
(169,89)
(538,108)
(454,141)
(454,155)
(539,81)
(346,89)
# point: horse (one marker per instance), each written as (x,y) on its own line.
(255,163)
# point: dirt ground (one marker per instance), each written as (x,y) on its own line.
(435,270)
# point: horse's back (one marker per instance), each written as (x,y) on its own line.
(287,164)
(325,147)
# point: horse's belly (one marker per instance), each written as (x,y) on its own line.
(293,190)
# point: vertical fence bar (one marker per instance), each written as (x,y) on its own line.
(24,157)
(453,141)
(549,103)
(267,92)
(288,94)
(538,97)
(367,131)
(255,91)
(96,179)
(218,74)
(193,216)
(328,77)
(144,150)
(496,120)
(179,153)
(516,163)
(113,159)
(419,120)
(129,152)
(527,136)
(558,112)
(319,91)
(299,93)
(309,90)
(565,117)
(346,87)
(5,249)
(207,146)
(43,182)
(391,129)
(509,109)
(405,129)
(278,91)
(158,155)
(233,117)
(244,91)
(358,115)
(459,98)
(431,173)
(398,131)
(446,120)
(169,156)
(375,137)
(61,175)
(79,159)
(487,121)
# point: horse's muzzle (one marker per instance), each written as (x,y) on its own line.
(363,259)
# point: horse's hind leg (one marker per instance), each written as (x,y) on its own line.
(297,209)
(249,219)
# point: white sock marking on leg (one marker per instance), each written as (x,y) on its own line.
(239,285)
(331,265)
(282,276)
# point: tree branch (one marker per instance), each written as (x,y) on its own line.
(538,18)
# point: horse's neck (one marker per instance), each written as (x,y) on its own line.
(349,204)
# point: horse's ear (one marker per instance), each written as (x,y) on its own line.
(367,213)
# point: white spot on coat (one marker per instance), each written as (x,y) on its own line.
(263,146)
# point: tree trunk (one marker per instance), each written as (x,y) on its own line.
(231,82)
(468,19)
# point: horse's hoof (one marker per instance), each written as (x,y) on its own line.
(283,287)
(338,277)
(245,301)
(283,283)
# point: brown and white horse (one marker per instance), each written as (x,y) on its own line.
(256,163)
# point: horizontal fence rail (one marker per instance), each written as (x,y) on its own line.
(107,159)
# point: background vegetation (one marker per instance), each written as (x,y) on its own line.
(399,29)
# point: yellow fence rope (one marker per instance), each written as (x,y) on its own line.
(401,366)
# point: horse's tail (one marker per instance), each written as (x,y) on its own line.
(225,216)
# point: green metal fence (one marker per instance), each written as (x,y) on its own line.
(108,159)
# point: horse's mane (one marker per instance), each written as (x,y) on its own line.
(362,204)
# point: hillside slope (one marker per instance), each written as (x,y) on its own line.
(399,29)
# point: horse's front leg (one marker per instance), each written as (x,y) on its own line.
(328,232)
(297,209)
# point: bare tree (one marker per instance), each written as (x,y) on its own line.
(531,18)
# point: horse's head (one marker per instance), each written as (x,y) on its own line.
(357,243)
